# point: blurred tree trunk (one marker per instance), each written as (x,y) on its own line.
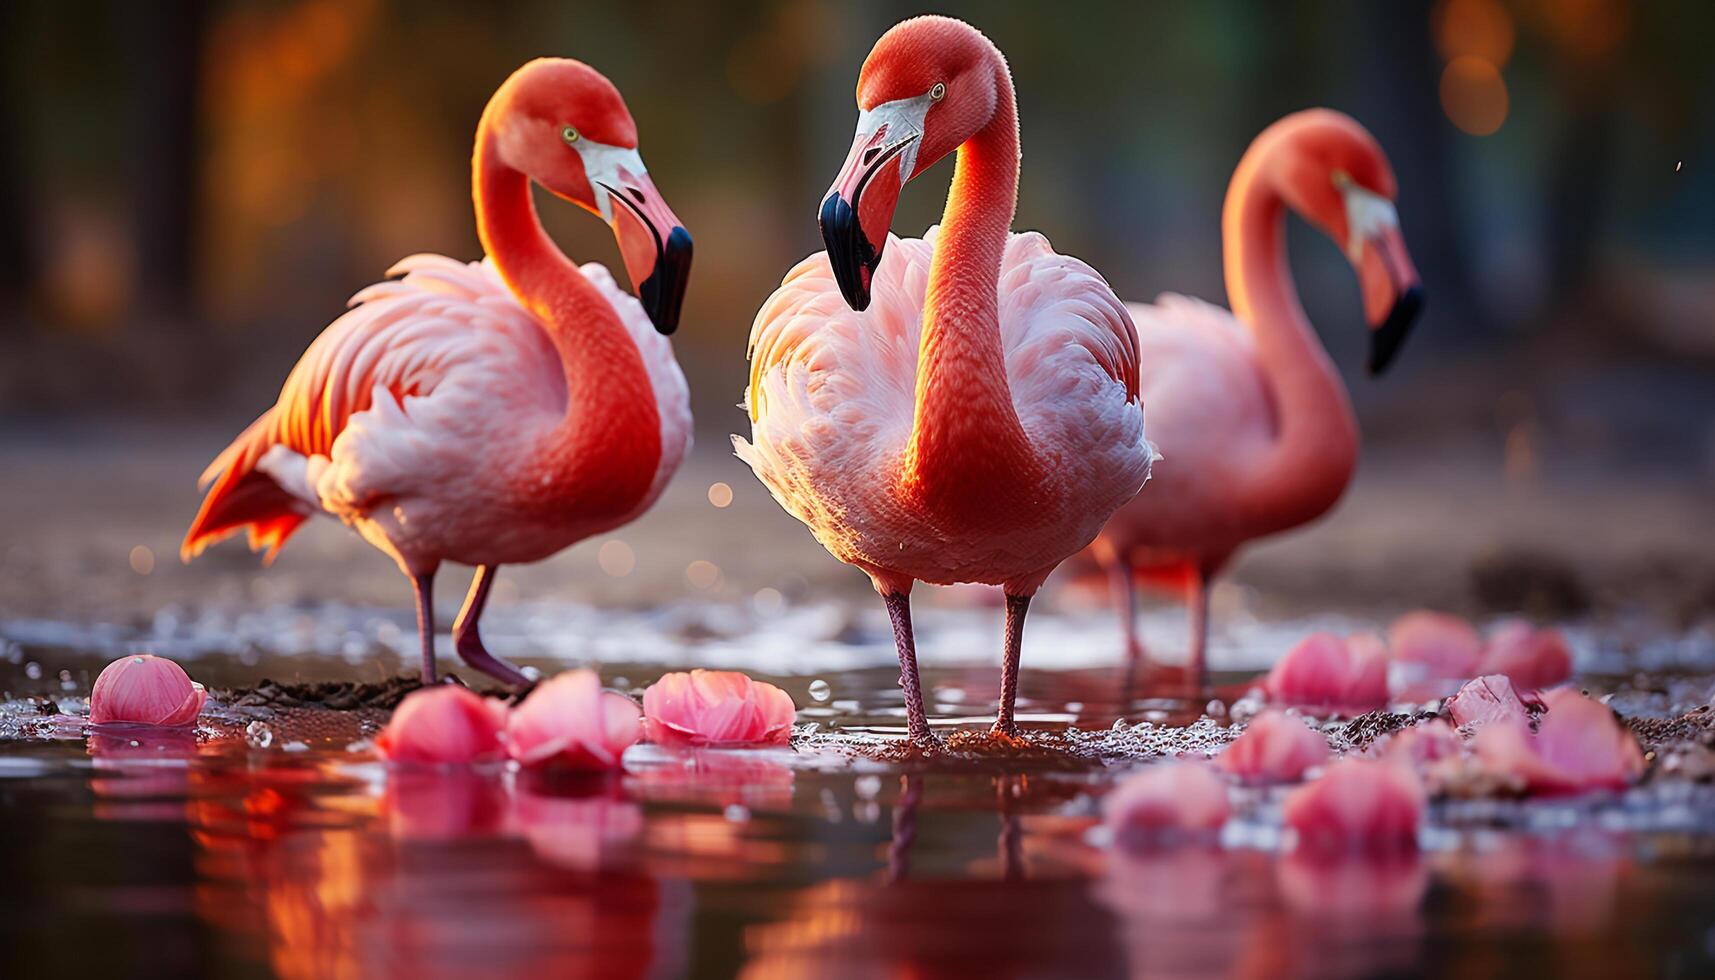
(17,260)
(164,47)
(1397,97)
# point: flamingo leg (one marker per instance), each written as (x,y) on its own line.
(424,586)
(916,719)
(468,641)
(1124,592)
(1197,607)
(1016,607)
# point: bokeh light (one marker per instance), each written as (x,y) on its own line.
(142,560)
(616,558)
(720,494)
(702,574)
(1477,28)
(1474,95)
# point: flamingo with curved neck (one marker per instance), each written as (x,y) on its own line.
(969,413)
(495,412)
(1250,412)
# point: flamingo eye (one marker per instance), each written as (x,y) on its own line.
(1342,179)
(939,92)
(568,134)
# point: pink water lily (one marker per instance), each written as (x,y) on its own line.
(1324,671)
(1275,748)
(445,725)
(717,707)
(1435,645)
(1490,699)
(569,722)
(1169,798)
(1578,746)
(1532,657)
(1357,806)
(145,690)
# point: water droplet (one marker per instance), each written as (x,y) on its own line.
(867,786)
(736,813)
(33,671)
(820,690)
(259,735)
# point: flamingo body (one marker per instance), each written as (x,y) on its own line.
(1210,416)
(418,418)
(831,398)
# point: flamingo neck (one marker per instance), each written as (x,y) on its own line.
(967,445)
(604,449)
(1307,467)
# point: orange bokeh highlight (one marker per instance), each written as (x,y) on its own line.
(1474,95)
(1478,28)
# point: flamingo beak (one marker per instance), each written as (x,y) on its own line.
(858,210)
(655,246)
(1393,296)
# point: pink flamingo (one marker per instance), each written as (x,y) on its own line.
(495,412)
(1255,429)
(981,420)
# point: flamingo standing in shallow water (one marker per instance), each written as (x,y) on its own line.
(494,412)
(1255,429)
(977,422)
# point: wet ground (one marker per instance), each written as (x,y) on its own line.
(274,843)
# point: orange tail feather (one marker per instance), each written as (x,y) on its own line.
(243,499)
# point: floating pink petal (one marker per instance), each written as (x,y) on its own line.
(1357,806)
(145,690)
(716,707)
(1435,645)
(1167,799)
(570,722)
(444,725)
(1423,745)
(1490,699)
(1324,671)
(1578,746)
(1275,748)
(1532,657)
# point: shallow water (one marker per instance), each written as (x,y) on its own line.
(276,844)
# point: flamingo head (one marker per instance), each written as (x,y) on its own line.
(564,125)
(929,84)
(1335,174)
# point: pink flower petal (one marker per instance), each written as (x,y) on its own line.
(445,725)
(145,690)
(1533,658)
(716,707)
(1423,745)
(1169,798)
(1578,746)
(1324,671)
(1435,645)
(1490,699)
(570,722)
(1358,805)
(1275,748)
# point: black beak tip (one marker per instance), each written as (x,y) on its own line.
(1386,340)
(850,253)
(663,293)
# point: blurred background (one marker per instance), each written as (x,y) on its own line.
(189,191)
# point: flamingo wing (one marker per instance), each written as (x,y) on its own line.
(379,363)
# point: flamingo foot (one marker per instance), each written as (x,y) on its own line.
(477,657)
